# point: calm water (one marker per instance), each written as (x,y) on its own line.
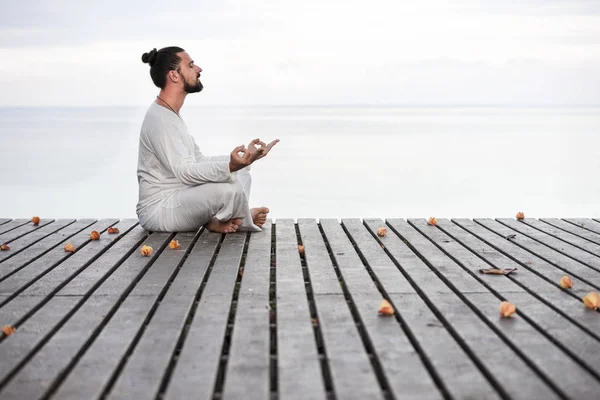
(332,161)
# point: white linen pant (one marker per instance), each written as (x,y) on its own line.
(192,207)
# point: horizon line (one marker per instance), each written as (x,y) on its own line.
(390,105)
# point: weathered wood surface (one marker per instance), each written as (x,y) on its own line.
(252,316)
(574,229)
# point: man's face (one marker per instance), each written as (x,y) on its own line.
(190,74)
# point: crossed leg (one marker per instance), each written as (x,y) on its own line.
(220,207)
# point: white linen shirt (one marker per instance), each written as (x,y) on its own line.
(169,159)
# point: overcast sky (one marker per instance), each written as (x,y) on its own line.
(526,52)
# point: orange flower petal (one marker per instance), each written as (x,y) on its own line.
(382,231)
(4,247)
(385,308)
(146,250)
(94,235)
(174,244)
(301,249)
(507,309)
(35,220)
(432,221)
(8,330)
(592,300)
(520,215)
(69,248)
(566,282)
(112,230)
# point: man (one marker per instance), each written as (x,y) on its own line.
(180,189)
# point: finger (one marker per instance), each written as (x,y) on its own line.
(235,154)
(237,149)
(262,144)
(273,143)
(259,153)
(241,150)
(254,142)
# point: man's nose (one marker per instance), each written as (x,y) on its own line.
(199,69)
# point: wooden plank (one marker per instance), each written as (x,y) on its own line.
(36,250)
(524,258)
(556,328)
(477,239)
(22,230)
(574,229)
(65,342)
(15,223)
(31,313)
(564,263)
(22,243)
(4,220)
(574,381)
(585,223)
(569,237)
(351,369)
(407,365)
(475,329)
(299,371)
(130,234)
(390,343)
(247,374)
(469,266)
(145,368)
(564,243)
(35,244)
(28,281)
(93,371)
(21,270)
(195,373)
(459,374)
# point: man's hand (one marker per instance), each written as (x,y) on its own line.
(242,157)
(267,147)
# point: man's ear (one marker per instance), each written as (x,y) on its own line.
(173,75)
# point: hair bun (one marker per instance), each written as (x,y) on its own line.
(150,57)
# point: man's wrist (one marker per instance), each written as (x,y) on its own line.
(234,166)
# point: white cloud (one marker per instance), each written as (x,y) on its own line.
(267,52)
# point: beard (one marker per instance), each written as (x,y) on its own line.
(192,88)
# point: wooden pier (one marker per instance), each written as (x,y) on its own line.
(252,316)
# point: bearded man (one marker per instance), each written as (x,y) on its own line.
(181,189)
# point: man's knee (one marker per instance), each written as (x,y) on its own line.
(231,190)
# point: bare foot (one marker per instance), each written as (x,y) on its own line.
(214,225)
(259,215)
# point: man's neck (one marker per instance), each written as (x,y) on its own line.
(173,100)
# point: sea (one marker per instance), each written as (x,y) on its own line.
(331,162)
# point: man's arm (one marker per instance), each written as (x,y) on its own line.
(202,158)
(173,153)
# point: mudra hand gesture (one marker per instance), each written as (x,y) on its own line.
(242,157)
